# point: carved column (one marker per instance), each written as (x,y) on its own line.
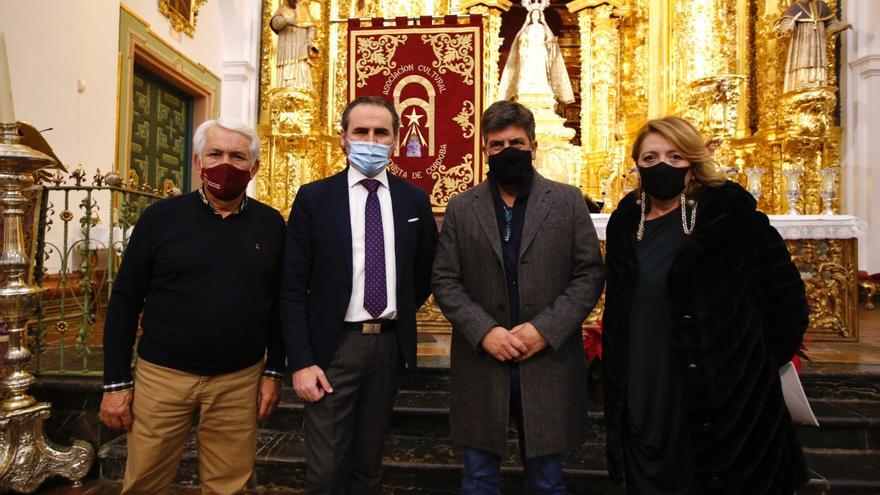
(491,11)
(599,22)
(297,127)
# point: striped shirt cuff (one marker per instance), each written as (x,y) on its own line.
(118,386)
(275,375)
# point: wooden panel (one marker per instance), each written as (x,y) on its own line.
(160,132)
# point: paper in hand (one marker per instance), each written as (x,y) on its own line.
(795,399)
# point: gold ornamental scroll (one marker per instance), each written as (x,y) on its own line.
(828,267)
(795,129)
(432,74)
(298,141)
(599,22)
(491,11)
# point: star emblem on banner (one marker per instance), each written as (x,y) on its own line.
(414,117)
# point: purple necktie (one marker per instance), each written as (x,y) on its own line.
(375,289)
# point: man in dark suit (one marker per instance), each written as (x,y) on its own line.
(518,269)
(357,266)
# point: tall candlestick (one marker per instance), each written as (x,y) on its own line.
(7,111)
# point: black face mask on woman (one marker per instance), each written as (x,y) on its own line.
(510,166)
(663,181)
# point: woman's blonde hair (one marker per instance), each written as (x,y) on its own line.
(686,139)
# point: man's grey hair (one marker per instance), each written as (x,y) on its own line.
(233,125)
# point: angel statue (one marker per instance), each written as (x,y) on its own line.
(809,22)
(294,24)
(535,64)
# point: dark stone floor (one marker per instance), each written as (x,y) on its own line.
(844,453)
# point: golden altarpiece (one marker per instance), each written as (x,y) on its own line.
(723,64)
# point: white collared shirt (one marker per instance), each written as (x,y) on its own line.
(357,202)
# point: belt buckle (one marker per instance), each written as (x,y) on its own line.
(371,329)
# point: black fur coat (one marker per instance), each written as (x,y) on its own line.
(739,313)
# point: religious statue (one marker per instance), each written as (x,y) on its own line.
(413,146)
(808,22)
(535,65)
(294,24)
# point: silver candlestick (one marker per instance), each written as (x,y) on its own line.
(754,175)
(829,189)
(27,457)
(792,188)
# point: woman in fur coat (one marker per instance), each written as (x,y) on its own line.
(703,305)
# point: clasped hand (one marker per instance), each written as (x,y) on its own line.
(519,343)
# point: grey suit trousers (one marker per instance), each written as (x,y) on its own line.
(345,430)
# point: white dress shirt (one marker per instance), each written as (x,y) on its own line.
(357,202)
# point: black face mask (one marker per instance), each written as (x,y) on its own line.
(663,181)
(510,166)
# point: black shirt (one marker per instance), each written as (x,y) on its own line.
(656,443)
(510,228)
(208,289)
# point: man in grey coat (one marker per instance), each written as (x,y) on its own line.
(517,271)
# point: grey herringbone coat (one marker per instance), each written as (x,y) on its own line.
(561,275)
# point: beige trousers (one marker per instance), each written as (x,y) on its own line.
(164,403)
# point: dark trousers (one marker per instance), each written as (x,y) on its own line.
(345,431)
(482,470)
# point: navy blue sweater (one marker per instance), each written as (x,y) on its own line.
(207,287)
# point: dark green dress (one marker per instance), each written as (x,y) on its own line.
(655,441)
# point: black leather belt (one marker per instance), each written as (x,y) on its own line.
(370,327)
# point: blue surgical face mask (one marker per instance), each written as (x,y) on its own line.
(367,157)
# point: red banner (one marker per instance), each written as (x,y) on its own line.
(432,74)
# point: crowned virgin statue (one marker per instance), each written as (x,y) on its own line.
(809,22)
(535,65)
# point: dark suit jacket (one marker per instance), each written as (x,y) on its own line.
(316,285)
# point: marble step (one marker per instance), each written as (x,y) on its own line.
(841,382)
(845,424)
(820,381)
(417,464)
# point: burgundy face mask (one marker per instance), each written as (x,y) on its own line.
(225,181)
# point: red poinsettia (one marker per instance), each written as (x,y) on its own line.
(593,341)
(801,354)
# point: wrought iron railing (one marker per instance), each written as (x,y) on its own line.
(81,233)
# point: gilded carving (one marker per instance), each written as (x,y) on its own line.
(720,62)
(827,267)
(491,12)
(712,104)
(808,111)
(376,56)
(452,54)
(451,181)
(182,14)
(634,69)
(463,119)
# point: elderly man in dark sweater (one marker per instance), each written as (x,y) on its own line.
(203,268)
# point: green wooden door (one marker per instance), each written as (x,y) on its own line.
(161,129)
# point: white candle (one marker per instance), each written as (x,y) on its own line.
(7,111)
